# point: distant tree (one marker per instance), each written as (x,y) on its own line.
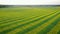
(3,6)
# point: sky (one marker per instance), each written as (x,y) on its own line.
(30,2)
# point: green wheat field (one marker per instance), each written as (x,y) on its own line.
(30,20)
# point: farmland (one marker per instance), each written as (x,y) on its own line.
(30,20)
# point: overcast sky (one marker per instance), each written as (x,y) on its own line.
(30,2)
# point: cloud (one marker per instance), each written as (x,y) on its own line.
(29,2)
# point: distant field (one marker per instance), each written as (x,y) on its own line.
(29,20)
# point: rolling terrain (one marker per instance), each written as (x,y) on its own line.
(29,20)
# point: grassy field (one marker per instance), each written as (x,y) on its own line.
(29,20)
